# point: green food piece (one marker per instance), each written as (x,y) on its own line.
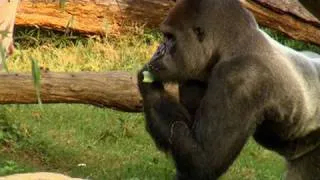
(147,77)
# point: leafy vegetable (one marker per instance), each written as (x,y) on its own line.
(147,77)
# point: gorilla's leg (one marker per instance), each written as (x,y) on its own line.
(227,116)
(306,167)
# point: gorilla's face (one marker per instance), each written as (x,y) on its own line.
(185,52)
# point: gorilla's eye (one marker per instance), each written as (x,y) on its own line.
(169,43)
(199,33)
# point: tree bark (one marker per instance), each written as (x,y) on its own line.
(288,17)
(111,16)
(92,16)
(116,90)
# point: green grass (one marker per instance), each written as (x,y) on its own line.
(112,144)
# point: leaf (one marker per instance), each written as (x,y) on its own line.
(3,58)
(1,135)
(36,74)
(3,52)
(62,3)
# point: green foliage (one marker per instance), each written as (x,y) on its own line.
(8,167)
(3,55)
(36,37)
(36,75)
(3,58)
(112,144)
(10,131)
(60,52)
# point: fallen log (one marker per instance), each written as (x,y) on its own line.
(116,89)
(288,18)
(112,16)
(92,17)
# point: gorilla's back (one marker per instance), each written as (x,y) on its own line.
(293,123)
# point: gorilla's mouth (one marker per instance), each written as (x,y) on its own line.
(164,51)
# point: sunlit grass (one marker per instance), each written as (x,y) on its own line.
(127,52)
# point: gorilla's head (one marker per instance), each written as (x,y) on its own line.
(192,32)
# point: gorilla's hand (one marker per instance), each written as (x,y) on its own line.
(163,113)
(149,91)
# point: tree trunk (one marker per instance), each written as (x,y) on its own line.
(112,16)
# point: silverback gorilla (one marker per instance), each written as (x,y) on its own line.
(234,82)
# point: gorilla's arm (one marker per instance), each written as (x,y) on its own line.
(225,119)
(167,121)
(161,112)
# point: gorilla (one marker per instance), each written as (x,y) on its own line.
(234,82)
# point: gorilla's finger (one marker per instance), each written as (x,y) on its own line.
(148,88)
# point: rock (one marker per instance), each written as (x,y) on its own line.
(38,176)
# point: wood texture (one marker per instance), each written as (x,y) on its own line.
(303,27)
(113,16)
(92,16)
(291,7)
(116,90)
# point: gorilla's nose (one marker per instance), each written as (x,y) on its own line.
(159,53)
